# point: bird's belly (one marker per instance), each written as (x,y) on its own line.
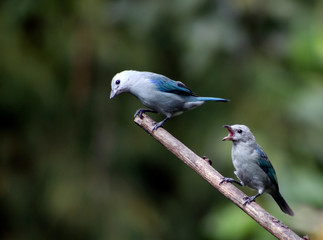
(166,103)
(251,175)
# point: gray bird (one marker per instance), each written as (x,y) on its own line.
(158,93)
(252,166)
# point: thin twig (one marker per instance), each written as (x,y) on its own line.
(203,168)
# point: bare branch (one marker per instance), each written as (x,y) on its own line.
(203,168)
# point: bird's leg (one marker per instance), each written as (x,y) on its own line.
(250,199)
(157,125)
(141,111)
(230,180)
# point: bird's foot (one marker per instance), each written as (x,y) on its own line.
(248,200)
(160,124)
(139,113)
(227,180)
(231,180)
(157,125)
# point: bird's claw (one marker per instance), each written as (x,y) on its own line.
(225,180)
(248,200)
(139,113)
(157,125)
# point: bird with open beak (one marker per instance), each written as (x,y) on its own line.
(252,166)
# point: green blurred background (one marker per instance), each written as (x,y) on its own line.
(75,166)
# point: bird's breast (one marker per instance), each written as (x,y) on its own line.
(245,161)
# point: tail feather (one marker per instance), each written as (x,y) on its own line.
(282,204)
(211,99)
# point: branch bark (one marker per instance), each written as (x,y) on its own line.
(203,168)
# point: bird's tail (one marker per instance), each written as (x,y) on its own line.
(211,99)
(282,204)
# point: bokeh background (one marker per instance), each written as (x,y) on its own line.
(75,166)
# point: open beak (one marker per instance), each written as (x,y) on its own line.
(113,93)
(231,133)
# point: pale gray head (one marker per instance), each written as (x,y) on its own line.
(239,133)
(121,82)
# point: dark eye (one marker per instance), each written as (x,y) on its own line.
(239,131)
(118,82)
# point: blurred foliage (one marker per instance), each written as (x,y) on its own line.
(73,164)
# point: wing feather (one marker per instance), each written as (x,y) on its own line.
(167,85)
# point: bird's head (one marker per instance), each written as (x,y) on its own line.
(121,82)
(238,133)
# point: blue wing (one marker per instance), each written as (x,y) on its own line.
(266,166)
(165,84)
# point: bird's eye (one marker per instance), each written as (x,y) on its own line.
(118,82)
(240,131)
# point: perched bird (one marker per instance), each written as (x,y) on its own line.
(252,166)
(158,93)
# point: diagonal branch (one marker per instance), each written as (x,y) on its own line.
(203,168)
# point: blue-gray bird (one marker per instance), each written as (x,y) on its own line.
(158,93)
(252,166)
